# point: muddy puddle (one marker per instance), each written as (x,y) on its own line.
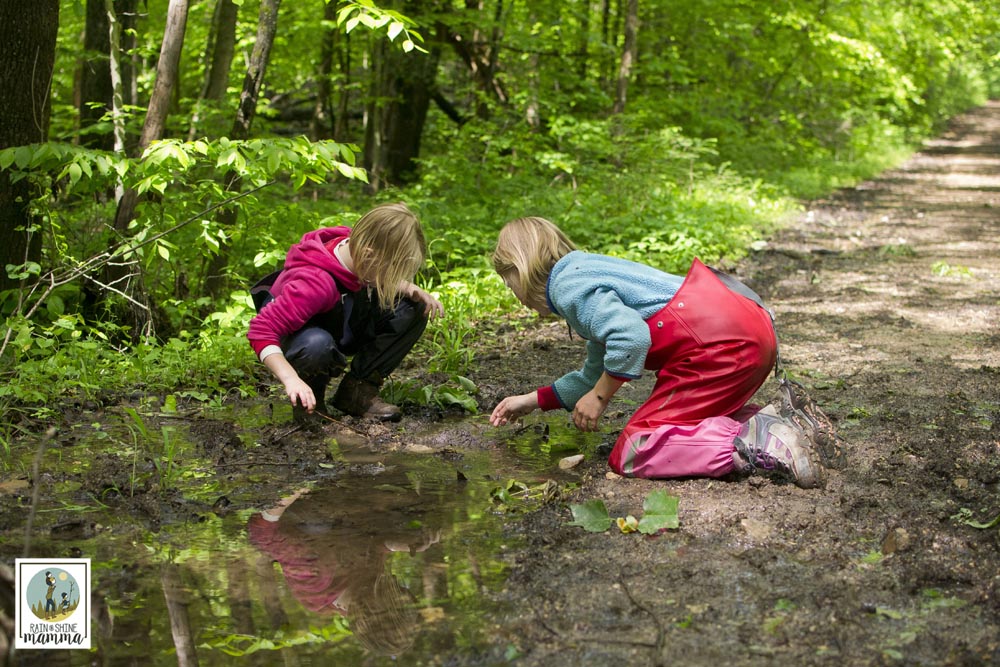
(233,537)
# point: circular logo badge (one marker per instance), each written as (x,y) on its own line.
(53,594)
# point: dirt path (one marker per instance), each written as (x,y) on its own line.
(888,299)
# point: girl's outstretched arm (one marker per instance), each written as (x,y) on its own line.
(514,407)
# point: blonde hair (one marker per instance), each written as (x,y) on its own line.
(387,245)
(526,251)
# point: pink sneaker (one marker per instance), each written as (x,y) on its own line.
(775,446)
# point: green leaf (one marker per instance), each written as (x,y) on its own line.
(55,305)
(74,172)
(592,516)
(6,158)
(659,513)
(22,156)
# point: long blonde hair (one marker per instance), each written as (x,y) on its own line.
(388,247)
(526,251)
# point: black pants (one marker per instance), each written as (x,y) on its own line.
(376,339)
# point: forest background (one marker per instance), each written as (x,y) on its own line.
(159,156)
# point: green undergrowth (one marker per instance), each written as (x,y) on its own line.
(619,187)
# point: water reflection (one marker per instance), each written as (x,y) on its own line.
(334,546)
(374,561)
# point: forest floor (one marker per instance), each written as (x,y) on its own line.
(887,298)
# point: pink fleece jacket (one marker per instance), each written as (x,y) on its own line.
(311,282)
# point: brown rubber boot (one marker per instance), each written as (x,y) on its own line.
(360,398)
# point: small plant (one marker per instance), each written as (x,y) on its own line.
(659,514)
(459,393)
(897,250)
(964,517)
(514,491)
(946,270)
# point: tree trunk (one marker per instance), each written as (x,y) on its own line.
(223,48)
(402,87)
(480,55)
(94,99)
(341,127)
(583,50)
(27,50)
(629,50)
(218,58)
(323,120)
(159,100)
(267,26)
(115,68)
(117,276)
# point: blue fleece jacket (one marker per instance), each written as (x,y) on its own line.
(606,300)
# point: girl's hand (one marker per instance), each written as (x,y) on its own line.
(300,393)
(513,407)
(432,307)
(588,411)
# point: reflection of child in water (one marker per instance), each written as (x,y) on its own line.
(335,561)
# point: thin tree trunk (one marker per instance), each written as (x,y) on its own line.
(267,26)
(94,98)
(27,50)
(270,597)
(342,125)
(323,120)
(629,50)
(481,56)
(159,101)
(117,87)
(583,50)
(127,277)
(403,85)
(218,58)
(224,46)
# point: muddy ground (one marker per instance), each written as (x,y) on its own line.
(887,299)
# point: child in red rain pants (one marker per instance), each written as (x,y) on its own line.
(711,349)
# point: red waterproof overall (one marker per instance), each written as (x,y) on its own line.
(711,350)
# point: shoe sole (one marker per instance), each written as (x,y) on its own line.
(801,410)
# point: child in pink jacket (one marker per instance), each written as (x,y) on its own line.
(343,293)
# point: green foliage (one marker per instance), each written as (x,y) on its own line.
(366,13)
(459,391)
(734,110)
